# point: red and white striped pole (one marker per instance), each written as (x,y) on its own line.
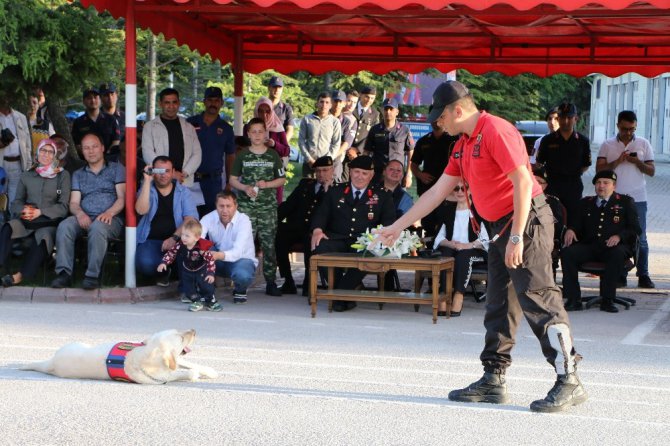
(131,143)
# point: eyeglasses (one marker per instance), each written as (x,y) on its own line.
(460,188)
(47,152)
(627,129)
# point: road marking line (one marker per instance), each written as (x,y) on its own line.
(637,335)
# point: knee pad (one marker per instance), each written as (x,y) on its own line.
(561,341)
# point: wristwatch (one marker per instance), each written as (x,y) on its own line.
(175,237)
(515,239)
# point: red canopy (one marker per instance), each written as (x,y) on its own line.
(576,37)
(510,36)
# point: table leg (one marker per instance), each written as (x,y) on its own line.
(331,285)
(313,277)
(435,290)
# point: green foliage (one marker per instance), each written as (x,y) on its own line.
(56,45)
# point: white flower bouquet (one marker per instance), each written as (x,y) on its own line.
(368,242)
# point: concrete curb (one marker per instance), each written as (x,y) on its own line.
(78,295)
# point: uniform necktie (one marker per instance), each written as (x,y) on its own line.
(603,203)
(357,196)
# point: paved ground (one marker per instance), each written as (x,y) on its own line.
(361,377)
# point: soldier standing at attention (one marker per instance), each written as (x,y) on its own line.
(566,155)
(257,172)
(367,117)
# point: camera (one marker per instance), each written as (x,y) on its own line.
(6,137)
(156,170)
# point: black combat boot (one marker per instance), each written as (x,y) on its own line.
(567,391)
(490,388)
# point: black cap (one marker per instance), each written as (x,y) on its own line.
(446,93)
(567,109)
(605,174)
(213,92)
(324,161)
(390,102)
(339,95)
(362,162)
(90,90)
(107,87)
(369,90)
(276,81)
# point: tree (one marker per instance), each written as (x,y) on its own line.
(57,46)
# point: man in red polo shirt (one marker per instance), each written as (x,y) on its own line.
(491,157)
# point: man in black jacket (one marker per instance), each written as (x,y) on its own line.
(346,212)
(603,230)
(298,211)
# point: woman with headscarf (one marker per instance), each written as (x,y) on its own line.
(276,135)
(42,199)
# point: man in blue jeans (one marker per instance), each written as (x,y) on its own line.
(231,233)
(164,205)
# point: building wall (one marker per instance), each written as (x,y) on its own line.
(649,98)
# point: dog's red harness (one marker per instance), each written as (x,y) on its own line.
(116,360)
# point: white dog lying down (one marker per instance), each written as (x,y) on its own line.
(157,360)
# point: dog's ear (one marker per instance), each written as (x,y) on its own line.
(170,360)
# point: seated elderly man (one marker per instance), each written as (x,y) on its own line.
(230,231)
(602,231)
(96,202)
(298,211)
(347,211)
(164,205)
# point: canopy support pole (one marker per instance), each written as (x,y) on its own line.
(238,92)
(131,143)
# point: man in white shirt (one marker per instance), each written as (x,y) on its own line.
(552,125)
(632,158)
(230,231)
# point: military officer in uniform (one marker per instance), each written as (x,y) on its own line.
(367,117)
(603,230)
(566,155)
(390,140)
(347,211)
(298,211)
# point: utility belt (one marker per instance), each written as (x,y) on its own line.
(12,159)
(206,175)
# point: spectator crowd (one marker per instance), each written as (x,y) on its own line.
(209,203)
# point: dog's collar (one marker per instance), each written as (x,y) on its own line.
(116,360)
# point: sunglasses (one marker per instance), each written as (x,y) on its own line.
(460,188)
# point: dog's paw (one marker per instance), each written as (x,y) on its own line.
(208,372)
(193,375)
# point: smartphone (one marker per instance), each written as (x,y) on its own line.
(634,154)
(156,171)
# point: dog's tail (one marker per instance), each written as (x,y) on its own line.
(42,366)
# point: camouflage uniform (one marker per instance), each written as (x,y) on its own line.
(251,168)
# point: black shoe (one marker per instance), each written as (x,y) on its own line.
(163,278)
(454,313)
(289,287)
(490,388)
(7,281)
(574,306)
(62,280)
(272,290)
(343,305)
(567,391)
(90,283)
(608,306)
(622,283)
(645,282)
(441,314)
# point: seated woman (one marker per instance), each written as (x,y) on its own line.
(42,197)
(457,239)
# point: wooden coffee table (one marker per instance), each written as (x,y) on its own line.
(379,266)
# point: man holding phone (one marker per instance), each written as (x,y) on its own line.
(631,157)
(164,205)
